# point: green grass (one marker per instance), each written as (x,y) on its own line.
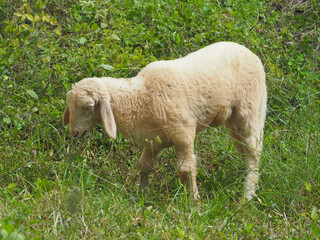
(54,187)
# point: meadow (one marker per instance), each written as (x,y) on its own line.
(56,187)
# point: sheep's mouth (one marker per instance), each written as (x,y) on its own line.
(84,133)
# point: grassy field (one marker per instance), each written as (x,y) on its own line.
(54,187)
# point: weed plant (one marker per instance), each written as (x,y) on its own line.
(54,187)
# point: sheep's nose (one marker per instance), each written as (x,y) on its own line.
(74,133)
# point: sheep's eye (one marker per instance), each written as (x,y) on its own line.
(89,108)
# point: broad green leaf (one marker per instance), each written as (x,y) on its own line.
(314,213)
(15,236)
(32,94)
(30,17)
(11,186)
(25,26)
(6,120)
(115,37)
(308,186)
(181,234)
(36,18)
(4,234)
(50,152)
(57,31)
(94,27)
(104,25)
(107,67)
(82,40)
(11,59)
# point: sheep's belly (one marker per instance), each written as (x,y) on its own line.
(149,138)
(214,119)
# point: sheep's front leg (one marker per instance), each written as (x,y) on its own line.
(187,167)
(146,163)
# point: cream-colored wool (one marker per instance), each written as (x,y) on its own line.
(169,102)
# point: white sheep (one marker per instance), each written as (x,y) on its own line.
(169,102)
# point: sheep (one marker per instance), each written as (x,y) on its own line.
(168,102)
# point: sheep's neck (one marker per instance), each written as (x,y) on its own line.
(128,109)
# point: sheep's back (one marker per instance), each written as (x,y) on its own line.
(204,85)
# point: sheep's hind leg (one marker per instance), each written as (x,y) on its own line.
(249,143)
(187,167)
(146,163)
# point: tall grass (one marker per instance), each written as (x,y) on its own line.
(54,187)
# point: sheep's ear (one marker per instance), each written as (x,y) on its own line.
(66,116)
(107,118)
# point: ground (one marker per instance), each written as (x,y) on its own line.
(54,187)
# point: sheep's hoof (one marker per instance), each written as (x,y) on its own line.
(142,188)
(248,196)
(144,183)
(196,196)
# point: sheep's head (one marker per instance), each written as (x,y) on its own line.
(86,108)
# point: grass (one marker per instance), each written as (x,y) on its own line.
(53,187)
